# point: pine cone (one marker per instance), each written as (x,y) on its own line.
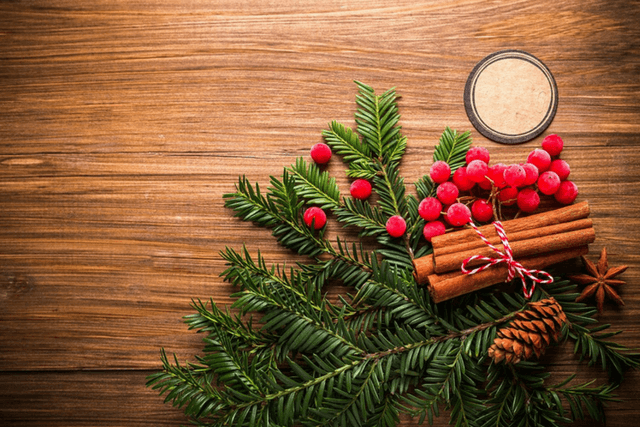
(530,333)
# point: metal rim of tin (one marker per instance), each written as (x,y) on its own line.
(475,116)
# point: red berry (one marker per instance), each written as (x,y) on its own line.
(321,153)
(561,168)
(508,196)
(496,174)
(396,226)
(552,144)
(476,170)
(477,153)
(532,173)
(316,216)
(485,184)
(515,175)
(540,159)
(433,229)
(482,210)
(360,189)
(447,192)
(440,172)
(461,180)
(528,200)
(430,209)
(548,183)
(458,214)
(567,192)
(444,216)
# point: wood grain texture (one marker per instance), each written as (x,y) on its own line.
(124,122)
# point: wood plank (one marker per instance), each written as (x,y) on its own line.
(124,123)
(120,398)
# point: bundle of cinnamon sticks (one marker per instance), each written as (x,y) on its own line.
(537,241)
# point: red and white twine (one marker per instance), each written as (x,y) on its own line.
(513,267)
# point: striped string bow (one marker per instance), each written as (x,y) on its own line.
(513,267)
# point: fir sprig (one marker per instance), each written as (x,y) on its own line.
(286,355)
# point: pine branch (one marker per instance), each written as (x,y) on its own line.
(517,396)
(316,187)
(251,205)
(401,298)
(385,415)
(592,345)
(361,214)
(344,142)
(213,320)
(281,210)
(450,380)
(425,187)
(187,391)
(583,396)
(367,397)
(301,326)
(239,266)
(377,120)
(452,148)
(390,187)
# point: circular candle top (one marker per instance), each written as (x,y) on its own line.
(511,97)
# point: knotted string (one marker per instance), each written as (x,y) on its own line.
(513,267)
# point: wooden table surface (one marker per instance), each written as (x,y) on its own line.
(122,124)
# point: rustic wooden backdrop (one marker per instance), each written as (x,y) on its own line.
(122,124)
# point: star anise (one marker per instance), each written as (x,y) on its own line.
(600,281)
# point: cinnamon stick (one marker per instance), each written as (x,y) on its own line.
(450,285)
(566,214)
(476,242)
(520,249)
(424,266)
(422,269)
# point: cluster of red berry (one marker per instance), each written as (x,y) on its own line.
(516,184)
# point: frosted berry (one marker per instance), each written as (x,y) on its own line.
(561,168)
(532,173)
(476,170)
(485,184)
(458,214)
(482,210)
(440,172)
(567,192)
(315,216)
(548,183)
(429,209)
(528,200)
(396,226)
(447,193)
(461,180)
(552,144)
(320,153)
(433,229)
(444,216)
(496,174)
(540,159)
(507,196)
(515,175)
(477,153)
(360,189)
